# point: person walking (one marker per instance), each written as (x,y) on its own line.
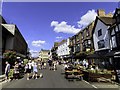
(45,65)
(29,69)
(54,65)
(16,71)
(7,70)
(35,71)
(50,64)
(39,65)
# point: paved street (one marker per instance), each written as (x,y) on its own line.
(51,79)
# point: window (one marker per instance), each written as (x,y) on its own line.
(118,39)
(99,32)
(101,44)
(114,42)
(118,19)
(113,32)
(116,29)
(87,32)
(89,41)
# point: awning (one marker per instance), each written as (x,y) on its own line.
(96,56)
(110,54)
(117,53)
(80,56)
(20,55)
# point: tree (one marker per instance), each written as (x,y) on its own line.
(10,56)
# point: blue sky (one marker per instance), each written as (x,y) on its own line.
(41,24)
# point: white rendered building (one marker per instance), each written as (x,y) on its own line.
(63,49)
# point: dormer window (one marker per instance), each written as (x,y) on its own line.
(99,32)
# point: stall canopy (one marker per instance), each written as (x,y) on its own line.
(95,55)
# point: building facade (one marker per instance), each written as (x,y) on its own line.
(101,39)
(12,39)
(54,51)
(114,54)
(63,50)
(81,43)
(44,54)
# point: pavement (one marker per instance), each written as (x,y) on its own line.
(55,79)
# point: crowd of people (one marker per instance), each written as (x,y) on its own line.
(31,67)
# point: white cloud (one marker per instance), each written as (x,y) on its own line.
(59,37)
(64,27)
(38,43)
(113,11)
(87,18)
(34,53)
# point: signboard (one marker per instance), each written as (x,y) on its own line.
(118,74)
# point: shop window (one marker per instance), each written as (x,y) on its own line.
(101,44)
(99,32)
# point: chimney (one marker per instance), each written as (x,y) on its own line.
(100,12)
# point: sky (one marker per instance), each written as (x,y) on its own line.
(43,23)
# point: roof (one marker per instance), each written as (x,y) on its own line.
(56,44)
(10,28)
(2,20)
(86,27)
(63,41)
(45,50)
(106,20)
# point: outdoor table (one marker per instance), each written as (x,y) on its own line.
(73,74)
(89,76)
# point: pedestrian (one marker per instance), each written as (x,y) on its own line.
(16,71)
(29,69)
(54,65)
(45,65)
(50,64)
(42,64)
(7,70)
(39,64)
(35,71)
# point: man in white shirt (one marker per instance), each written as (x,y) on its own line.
(7,70)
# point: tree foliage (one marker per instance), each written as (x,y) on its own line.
(10,55)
